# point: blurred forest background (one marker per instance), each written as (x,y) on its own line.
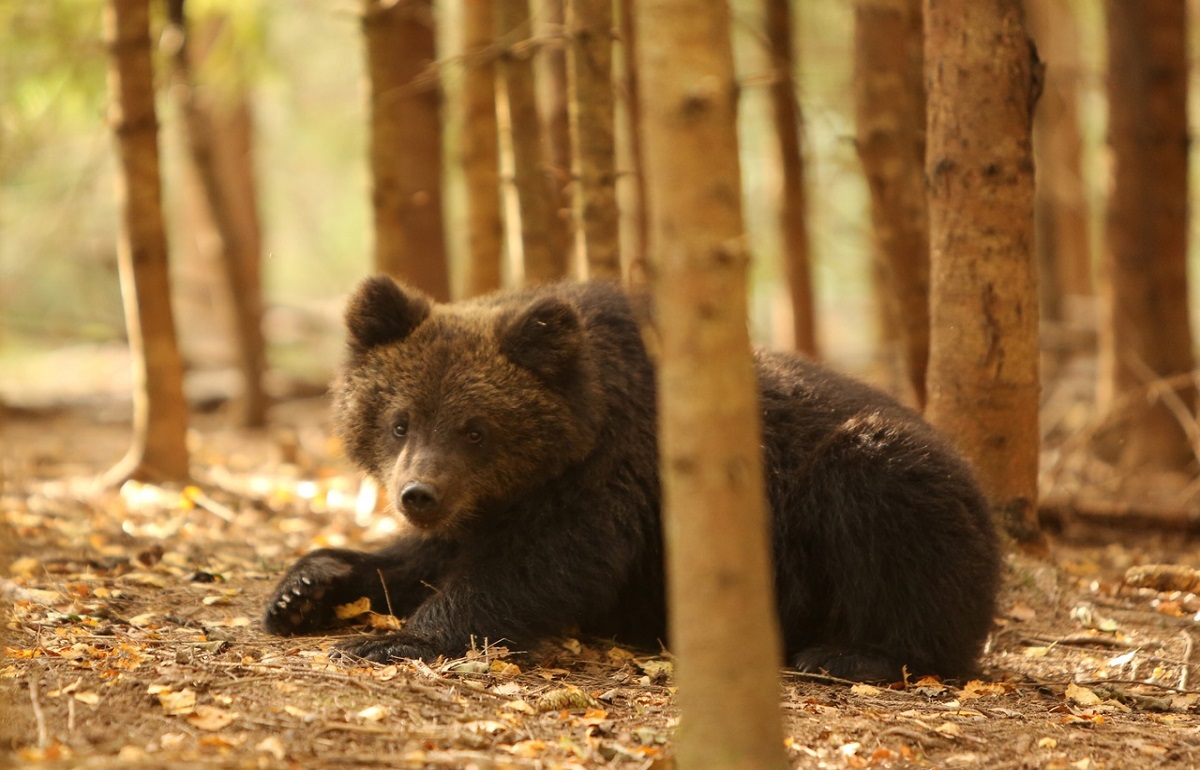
(301,66)
(291,83)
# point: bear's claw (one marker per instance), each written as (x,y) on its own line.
(305,598)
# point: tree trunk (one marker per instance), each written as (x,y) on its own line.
(889,93)
(480,152)
(794,209)
(1147,336)
(983,357)
(589,60)
(711,461)
(638,239)
(159,450)
(1061,219)
(219,145)
(406,150)
(550,77)
(541,260)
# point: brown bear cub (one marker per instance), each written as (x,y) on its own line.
(516,434)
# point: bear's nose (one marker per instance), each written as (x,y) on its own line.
(418,496)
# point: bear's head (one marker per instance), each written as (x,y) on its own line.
(459,410)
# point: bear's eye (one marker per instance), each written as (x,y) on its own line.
(400,428)
(474,433)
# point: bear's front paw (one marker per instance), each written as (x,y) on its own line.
(306,597)
(385,649)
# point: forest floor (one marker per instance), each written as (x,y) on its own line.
(131,638)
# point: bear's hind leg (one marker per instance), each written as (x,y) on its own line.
(859,665)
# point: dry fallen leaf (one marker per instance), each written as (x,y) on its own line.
(176,703)
(271,745)
(210,718)
(353,609)
(372,713)
(1082,695)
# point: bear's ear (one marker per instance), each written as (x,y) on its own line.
(381,312)
(545,338)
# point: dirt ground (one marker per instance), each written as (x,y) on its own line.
(131,638)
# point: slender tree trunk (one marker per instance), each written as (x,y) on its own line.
(636,269)
(542,261)
(983,357)
(589,60)
(1148,336)
(718,563)
(406,136)
(227,180)
(794,209)
(550,77)
(159,450)
(889,95)
(1063,244)
(480,152)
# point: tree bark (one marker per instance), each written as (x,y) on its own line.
(159,451)
(591,103)
(406,136)
(1147,334)
(480,152)
(541,260)
(794,209)
(983,358)
(889,96)
(715,513)
(551,80)
(227,179)
(639,237)
(1061,210)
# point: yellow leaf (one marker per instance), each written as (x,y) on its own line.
(527,749)
(865,690)
(271,745)
(503,669)
(88,697)
(1082,695)
(384,622)
(519,705)
(372,713)
(353,609)
(26,566)
(177,703)
(949,729)
(210,718)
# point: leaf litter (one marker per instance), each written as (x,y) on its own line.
(131,635)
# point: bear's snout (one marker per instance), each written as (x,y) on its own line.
(419,499)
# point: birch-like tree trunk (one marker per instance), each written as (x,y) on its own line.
(983,358)
(406,143)
(591,103)
(634,203)
(227,180)
(542,261)
(159,450)
(480,152)
(550,77)
(724,632)
(889,98)
(1147,335)
(1062,220)
(794,205)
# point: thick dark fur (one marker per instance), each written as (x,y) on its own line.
(516,433)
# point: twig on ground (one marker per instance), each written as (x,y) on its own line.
(1188,644)
(38,715)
